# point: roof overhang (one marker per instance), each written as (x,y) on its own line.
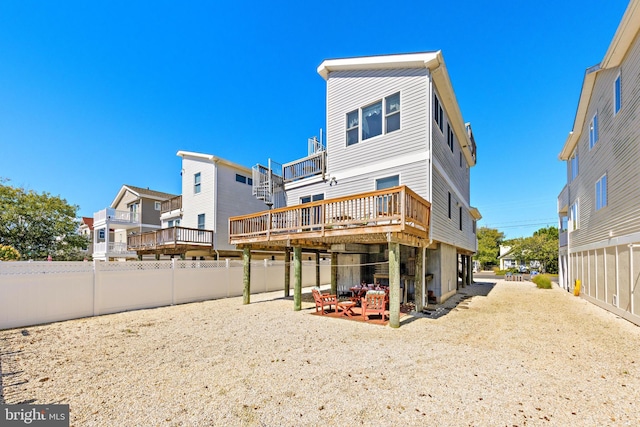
(475,213)
(618,49)
(432,61)
(213,159)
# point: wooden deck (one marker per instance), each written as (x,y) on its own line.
(397,214)
(174,240)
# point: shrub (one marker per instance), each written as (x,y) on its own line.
(542,281)
(9,253)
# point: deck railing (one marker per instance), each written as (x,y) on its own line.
(113,215)
(309,166)
(397,206)
(175,203)
(170,237)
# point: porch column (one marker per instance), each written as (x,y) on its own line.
(297,273)
(287,270)
(419,279)
(394,285)
(246,277)
(469,270)
(317,269)
(463,272)
(334,273)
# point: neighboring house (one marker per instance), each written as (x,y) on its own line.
(395,171)
(196,223)
(509,260)
(598,207)
(134,210)
(86,229)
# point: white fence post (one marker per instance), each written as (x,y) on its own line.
(173,281)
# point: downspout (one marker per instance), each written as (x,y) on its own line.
(215,210)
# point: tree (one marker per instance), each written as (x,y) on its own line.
(8,253)
(38,225)
(542,247)
(489,240)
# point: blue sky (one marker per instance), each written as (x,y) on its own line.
(94,95)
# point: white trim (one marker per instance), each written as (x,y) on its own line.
(617,280)
(376,167)
(411,60)
(303,182)
(612,241)
(213,159)
(606,280)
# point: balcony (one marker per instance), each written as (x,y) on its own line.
(174,240)
(312,165)
(375,217)
(563,200)
(173,204)
(115,217)
(562,238)
(105,250)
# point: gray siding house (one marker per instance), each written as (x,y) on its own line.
(392,122)
(599,205)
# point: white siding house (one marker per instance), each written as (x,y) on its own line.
(599,205)
(213,189)
(393,120)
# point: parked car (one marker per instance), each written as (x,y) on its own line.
(523,269)
(534,274)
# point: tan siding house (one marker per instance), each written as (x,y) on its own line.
(599,206)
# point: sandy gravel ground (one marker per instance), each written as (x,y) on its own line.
(519,356)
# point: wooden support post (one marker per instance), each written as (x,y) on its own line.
(469,270)
(394,285)
(246,277)
(463,273)
(318,269)
(334,273)
(287,271)
(297,273)
(419,279)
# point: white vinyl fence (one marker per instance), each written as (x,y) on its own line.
(32,293)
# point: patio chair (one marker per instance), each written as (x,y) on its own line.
(323,300)
(374,302)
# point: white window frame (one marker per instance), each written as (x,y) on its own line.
(593,131)
(601,192)
(574,165)
(574,215)
(358,126)
(617,95)
(157,206)
(202,226)
(197,183)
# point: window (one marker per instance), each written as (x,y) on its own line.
(460,214)
(388,182)
(473,226)
(386,202)
(601,192)
(593,131)
(311,216)
(200,221)
(450,137)
(250,181)
(101,234)
(449,205)
(157,206)
(573,216)
(573,165)
(617,95)
(392,112)
(170,224)
(241,178)
(460,159)
(438,114)
(352,127)
(372,120)
(196,183)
